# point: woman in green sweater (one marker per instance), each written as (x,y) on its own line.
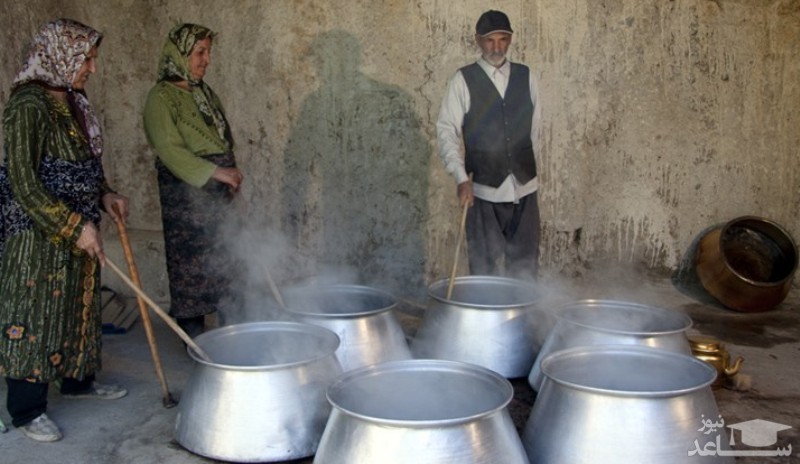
(197,176)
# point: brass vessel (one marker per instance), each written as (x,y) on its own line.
(748,264)
(714,352)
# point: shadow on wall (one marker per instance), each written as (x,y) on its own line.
(356,177)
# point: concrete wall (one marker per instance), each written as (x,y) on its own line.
(661,118)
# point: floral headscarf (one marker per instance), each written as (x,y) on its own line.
(174,65)
(54,57)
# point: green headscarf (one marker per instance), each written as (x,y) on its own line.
(174,65)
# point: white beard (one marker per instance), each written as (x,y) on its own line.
(495,59)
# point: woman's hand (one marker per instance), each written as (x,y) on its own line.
(230,176)
(91,242)
(116,205)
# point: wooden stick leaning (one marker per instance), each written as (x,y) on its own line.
(167,400)
(274,288)
(458,247)
(161,313)
(243,209)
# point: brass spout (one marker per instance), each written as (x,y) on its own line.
(734,369)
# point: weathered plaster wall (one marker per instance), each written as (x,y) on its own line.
(661,118)
(667,117)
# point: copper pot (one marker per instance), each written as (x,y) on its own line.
(748,264)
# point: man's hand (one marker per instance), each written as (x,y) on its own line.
(465,195)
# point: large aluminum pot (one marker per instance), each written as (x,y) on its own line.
(625,405)
(263,396)
(486,322)
(420,411)
(610,322)
(748,264)
(362,317)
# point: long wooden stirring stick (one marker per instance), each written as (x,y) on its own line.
(161,313)
(168,401)
(458,247)
(274,288)
(243,209)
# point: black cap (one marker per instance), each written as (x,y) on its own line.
(493,21)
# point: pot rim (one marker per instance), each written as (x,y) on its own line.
(329,338)
(582,304)
(503,386)
(360,289)
(437,285)
(626,349)
(770,224)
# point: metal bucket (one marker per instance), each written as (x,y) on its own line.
(748,264)
(362,317)
(609,322)
(423,412)
(486,322)
(263,397)
(625,405)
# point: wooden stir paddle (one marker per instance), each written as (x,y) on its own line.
(161,313)
(168,401)
(458,247)
(274,288)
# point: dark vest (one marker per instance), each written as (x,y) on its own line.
(497,130)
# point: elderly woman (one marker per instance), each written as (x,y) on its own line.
(197,177)
(52,187)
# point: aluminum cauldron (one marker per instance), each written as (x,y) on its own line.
(610,322)
(362,317)
(485,322)
(262,399)
(423,412)
(625,405)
